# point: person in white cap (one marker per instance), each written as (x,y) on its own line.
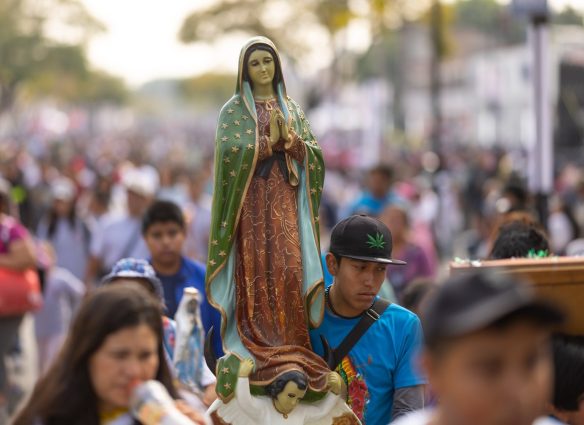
(121,237)
(64,229)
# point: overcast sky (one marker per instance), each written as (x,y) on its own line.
(155,23)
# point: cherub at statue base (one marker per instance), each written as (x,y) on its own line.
(282,405)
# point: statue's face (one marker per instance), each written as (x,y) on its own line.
(261,68)
(289,398)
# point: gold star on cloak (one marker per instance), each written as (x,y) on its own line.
(227,386)
(226,160)
(212,262)
(244,167)
(312,166)
(249,131)
(232,173)
(237,136)
(250,146)
(313,191)
(224,138)
(222,254)
(236,101)
(224,224)
(235,149)
(236,122)
(224,125)
(230,111)
(244,117)
(225,371)
(215,242)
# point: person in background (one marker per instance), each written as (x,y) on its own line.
(164,231)
(121,237)
(378,194)
(62,294)
(562,225)
(519,239)
(568,397)
(419,265)
(65,230)
(487,352)
(17,252)
(197,212)
(115,341)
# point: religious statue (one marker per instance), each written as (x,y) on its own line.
(264,272)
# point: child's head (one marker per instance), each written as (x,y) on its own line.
(568,400)
(164,231)
(135,270)
(287,390)
(488,353)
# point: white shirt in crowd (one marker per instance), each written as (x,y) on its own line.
(119,238)
(71,244)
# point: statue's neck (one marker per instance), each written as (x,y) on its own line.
(263,92)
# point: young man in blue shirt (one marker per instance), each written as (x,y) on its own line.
(164,231)
(379,370)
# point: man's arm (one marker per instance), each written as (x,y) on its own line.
(406,400)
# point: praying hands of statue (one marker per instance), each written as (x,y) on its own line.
(284,130)
(274,127)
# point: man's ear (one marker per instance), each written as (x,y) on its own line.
(331,264)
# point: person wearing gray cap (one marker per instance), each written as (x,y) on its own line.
(371,343)
(64,229)
(487,352)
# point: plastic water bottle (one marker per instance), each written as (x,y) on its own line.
(152,405)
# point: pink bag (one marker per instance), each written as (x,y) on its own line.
(20,292)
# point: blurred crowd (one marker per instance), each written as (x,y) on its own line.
(79,206)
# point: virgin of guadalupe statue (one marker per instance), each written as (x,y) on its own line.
(263,271)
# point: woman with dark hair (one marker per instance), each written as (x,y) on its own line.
(17,252)
(263,269)
(68,234)
(114,342)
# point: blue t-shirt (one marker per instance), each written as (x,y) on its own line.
(383,360)
(192,275)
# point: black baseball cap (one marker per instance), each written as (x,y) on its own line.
(363,238)
(475,300)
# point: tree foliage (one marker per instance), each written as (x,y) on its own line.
(288,24)
(34,60)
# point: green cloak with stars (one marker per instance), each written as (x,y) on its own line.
(236,151)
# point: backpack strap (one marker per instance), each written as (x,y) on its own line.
(334,356)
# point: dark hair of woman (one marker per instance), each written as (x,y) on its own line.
(517,239)
(278,77)
(65,395)
(54,218)
(277,386)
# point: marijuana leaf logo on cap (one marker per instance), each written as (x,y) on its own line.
(375,242)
